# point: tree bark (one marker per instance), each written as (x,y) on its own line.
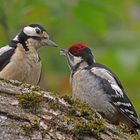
(29,113)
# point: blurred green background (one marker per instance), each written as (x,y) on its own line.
(110,27)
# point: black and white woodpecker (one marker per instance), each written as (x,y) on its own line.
(20,60)
(99,88)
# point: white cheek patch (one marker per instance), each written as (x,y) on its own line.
(76,60)
(30,31)
(73,60)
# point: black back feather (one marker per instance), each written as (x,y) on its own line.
(5,58)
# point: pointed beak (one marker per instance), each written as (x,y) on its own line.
(63,52)
(48,42)
(51,43)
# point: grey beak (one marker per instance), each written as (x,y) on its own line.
(63,52)
(51,43)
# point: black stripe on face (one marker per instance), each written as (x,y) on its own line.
(22,38)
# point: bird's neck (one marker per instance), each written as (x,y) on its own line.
(27,45)
(14,43)
(20,38)
(81,65)
(33,44)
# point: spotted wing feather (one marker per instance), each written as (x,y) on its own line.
(116,94)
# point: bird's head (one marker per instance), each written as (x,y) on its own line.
(35,35)
(78,55)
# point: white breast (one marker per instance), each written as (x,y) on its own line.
(87,88)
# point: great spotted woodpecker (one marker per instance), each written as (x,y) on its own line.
(19,60)
(99,88)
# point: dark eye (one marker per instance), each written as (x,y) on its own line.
(38,31)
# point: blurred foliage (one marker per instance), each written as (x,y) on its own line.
(110,27)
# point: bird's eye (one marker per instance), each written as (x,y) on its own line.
(38,31)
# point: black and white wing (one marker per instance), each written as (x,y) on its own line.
(116,94)
(5,55)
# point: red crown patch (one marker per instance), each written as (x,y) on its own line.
(77,48)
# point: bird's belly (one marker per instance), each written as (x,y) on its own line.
(87,88)
(34,74)
(23,71)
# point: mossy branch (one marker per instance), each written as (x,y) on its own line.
(28,112)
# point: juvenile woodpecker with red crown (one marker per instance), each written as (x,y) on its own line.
(99,88)
(20,60)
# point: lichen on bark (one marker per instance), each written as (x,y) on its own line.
(27,112)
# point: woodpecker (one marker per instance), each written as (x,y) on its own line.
(20,60)
(98,87)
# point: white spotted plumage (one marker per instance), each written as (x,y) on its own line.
(105,74)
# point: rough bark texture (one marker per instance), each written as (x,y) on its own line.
(29,113)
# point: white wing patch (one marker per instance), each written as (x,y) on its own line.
(117,89)
(119,99)
(131,112)
(4,49)
(121,103)
(105,74)
(16,38)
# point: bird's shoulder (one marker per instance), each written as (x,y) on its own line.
(105,73)
(6,53)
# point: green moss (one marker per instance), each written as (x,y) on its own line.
(83,129)
(32,126)
(84,110)
(124,128)
(28,129)
(36,88)
(90,128)
(86,113)
(68,99)
(93,126)
(53,104)
(72,111)
(12,82)
(30,101)
(56,105)
(77,106)
(67,119)
(16,83)
(135,136)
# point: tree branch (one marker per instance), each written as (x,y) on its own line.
(27,112)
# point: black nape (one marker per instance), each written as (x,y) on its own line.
(22,38)
(87,56)
(13,43)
